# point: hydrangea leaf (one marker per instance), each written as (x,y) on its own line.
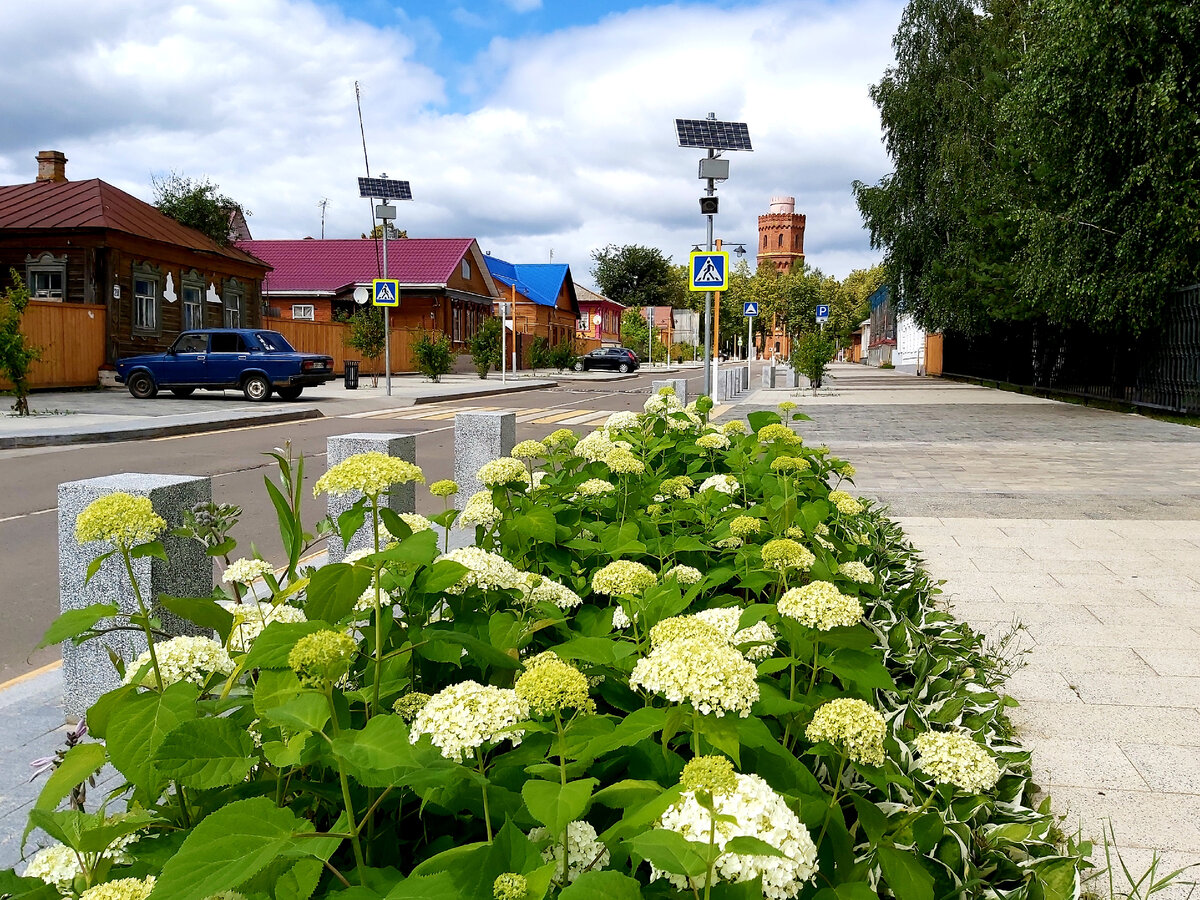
(381,755)
(606,885)
(271,648)
(333,591)
(557,805)
(138,726)
(671,852)
(79,764)
(203,611)
(75,622)
(206,753)
(536,524)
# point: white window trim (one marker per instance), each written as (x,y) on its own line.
(466,270)
(46,263)
(298,310)
(153,276)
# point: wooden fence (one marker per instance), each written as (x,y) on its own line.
(71,337)
(330,338)
(933,354)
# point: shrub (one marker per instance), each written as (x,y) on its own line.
(563,355)
(433,353)
(485,346)
(657,652)
(811,356)
(539,353)
(17,355)
(367,336)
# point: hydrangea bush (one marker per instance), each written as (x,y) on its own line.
(720,675)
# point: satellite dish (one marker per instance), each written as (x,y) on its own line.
(360,295)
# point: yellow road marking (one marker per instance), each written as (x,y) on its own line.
(29,676)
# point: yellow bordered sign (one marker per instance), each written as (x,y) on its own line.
(385,292)
(708,270)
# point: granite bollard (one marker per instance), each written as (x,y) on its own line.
(400,499)
(768,376)
(479,437)
(187,572)
(679,384)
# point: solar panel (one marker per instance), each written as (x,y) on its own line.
(384,188)
(713,135)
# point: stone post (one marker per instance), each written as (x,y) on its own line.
(768,376)
(188,572)
(680,385)
(479,437)
(745,377)
(400,499)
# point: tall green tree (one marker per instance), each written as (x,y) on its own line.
(1104,117)
(639,276)
(197,204)
(368,337)
(945,217)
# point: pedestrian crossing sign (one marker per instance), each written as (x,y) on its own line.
(709,270)
(386,292)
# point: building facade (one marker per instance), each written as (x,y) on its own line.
(543,297)
(599,318)
(781,235)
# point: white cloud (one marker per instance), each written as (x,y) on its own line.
(568,144)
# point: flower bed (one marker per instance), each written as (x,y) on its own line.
(681,660)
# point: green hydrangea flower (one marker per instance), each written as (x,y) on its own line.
(322,657)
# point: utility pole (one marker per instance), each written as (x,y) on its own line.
(716,342)
(708,295)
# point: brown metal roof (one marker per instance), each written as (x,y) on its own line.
(97,204)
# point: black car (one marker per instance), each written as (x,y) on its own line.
(253,360)
(618,359)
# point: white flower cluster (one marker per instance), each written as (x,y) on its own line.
(845,504)
(585,852)
(856,571)
(709,674)
(623,577)
(712,441)
(595,487)
(415,522)
(529,450)
(851,724)
(626,420)
(725,484)
(661,404)
(366,600)
(246,571)
(623,462)
(503,471)
(250,618)
(620,619)
(760,636)
(183,658)
(757,812)
(547,590)
(463,717)
(486,571)
(479,510)
(597,445)
(820,605)
(56,865)
(684,574)
(683,420)
(121,889)
(958,759)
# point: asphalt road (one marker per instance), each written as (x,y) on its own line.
(29,482)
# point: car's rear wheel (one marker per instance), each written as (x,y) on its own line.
(289,393)
(579,366)
(142,386)
(623,367)
(256,388)
(183,392)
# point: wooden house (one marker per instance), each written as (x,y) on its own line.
(143,275)
(543,297)
(599,318)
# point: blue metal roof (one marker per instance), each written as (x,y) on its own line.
(540,282)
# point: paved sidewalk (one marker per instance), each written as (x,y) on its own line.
(1080,528)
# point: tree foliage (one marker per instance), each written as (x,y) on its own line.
(367,335)
(639,276)
(434,354)
(17,355)
(485,346)
(197,204)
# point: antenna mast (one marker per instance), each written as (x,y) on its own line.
(367,163)
(323,202)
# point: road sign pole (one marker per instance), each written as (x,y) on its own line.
(503,340)
(387,325)
(749,337)
(708,300)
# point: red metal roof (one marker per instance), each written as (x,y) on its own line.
(97,204)
(331,265)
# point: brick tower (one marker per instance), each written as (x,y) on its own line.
(781,234)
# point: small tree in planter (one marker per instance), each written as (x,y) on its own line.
(367,337)
(16,353)
(563,355)
(811,356)
(434,355)
(485,347)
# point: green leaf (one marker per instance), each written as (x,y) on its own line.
(419,549)
(441,575)
(228,847)
(77,621)
(138,725)
(536,524)
(671,852)
(479,651)
(307,711)
(203,611)
(271,649)
(637,726)
(904,873)
(427,887)
(722,733)
(17,888)
(333,591)
(1058,879)
(873,820)
(351,520)
(627,794)
(275,688)
(596,650)
(557,805)
(752,846)
(606,885)
(760,419)
(206,753)
(151,548)
(80,763)
(94,566)
(865,671)
(380,755)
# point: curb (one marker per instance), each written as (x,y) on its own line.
(20,441)
(490,392)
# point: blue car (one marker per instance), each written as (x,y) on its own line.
(252,360)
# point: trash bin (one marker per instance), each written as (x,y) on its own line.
(351,376)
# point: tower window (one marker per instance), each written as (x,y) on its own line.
(781,240)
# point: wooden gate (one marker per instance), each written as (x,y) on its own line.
(71,337)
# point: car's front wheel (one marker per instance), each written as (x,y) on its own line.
(256,388)
(142,386)
(289,393)
(623,368)
(579,366)
(183,392)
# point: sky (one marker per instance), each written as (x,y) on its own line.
(543,128)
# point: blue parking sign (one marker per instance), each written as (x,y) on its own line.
(823,312)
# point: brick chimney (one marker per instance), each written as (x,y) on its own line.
(52,166)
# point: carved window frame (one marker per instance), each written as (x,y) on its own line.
(46,264)
(146,308)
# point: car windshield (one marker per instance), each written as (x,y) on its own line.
(273,340)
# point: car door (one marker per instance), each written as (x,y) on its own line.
(187,361)
(227,357)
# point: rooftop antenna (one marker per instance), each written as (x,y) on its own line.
(323,202)
(367,163)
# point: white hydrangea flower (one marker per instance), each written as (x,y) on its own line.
(479,510)
(760,636)
(246,571)
(502,471)
(623,462)
(485,570)
(852,725)
(585,852)
(121,889)
(856,571)
(958,759)
(725,484)
(595,446)
(596,487)
(56,865)
(366,600)
(620,619)
(757,812)
(529,450)
(251,617)
(415,521)
(845,504)
(684,574)
(661,404)
(625,420)
(538,478)
(709,674)
(185,658)
(547,590)
(712,441)
(463,717)
(820,605)
(623,577)
(357,555)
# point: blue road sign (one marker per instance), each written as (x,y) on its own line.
(709,271)
(823,312)
(749,310)
(386,292)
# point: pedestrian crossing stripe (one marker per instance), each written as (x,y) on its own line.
(386,292)
(534,415)
(709,270)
